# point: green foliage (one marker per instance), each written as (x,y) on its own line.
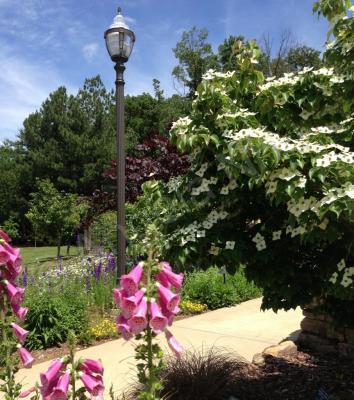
(209,288)
(11,227)
(54,215)
(146,114)
(303,56)
(52,316)
(12,169)
(195,57)
(228,51)
(69,140)
(272,181)
(147,210)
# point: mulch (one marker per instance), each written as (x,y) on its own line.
(304,376)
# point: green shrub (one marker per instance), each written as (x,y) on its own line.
(208,287)
(52,316)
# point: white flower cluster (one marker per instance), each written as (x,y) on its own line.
(182,124)
(173,184)
(292,79)
(211,74)
(202,169)
(347,276)
(230,245)
(276,235)
(196,230)
(281,143)
(260,242)
(271,187)
(333,157)
(324,72)
(231,186)
(293,232)
(214,250)
(204,187)
(287,79)
(242,112)
(286,174)
(297,207)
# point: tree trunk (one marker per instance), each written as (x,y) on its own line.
(87,239)
(58,247)
(68,250)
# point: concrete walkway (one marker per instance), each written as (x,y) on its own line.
(243,330)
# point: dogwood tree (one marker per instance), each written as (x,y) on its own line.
(272,177)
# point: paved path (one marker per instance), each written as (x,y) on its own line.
(243,330)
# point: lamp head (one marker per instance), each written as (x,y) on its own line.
(119,39)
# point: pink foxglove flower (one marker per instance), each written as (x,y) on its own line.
(158,321)
(124,328)
(117,296)
(92,366)
(170,315)
(165,264)
(138,322)
(60,391)
(4,255)
(92,384)
(15,261)
(175,280)
(173,344)
(26,357)
(129,304)
(20,312)
(4,236)
(15,294)
(52,374)
(168,299)
(19,332)
(130,282)
(162,278)
(26,393)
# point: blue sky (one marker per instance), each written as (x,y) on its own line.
(48,43)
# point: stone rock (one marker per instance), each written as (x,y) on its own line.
(287,348)
(349,335)
(258,359)
(314,326)
(317,343)
(346,350)
(335,333)
(307,312)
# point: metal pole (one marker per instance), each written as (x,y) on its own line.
(121,245)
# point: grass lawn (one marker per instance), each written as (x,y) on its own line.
(44,256)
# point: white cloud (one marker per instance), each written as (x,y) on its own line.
(89,51)
(130,20)
(23,88)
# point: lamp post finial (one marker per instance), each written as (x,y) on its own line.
(119,10)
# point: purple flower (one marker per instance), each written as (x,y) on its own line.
(24,279)
(87,283)
(98,271)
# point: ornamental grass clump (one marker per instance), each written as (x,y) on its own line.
(148,300)
(207,375)
(13,335)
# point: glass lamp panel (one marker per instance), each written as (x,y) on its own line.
(127,45)
(112,42)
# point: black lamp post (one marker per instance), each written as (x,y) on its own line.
(120,41)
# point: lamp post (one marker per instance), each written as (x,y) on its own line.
(119,42)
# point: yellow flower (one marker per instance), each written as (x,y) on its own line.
(191,307)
